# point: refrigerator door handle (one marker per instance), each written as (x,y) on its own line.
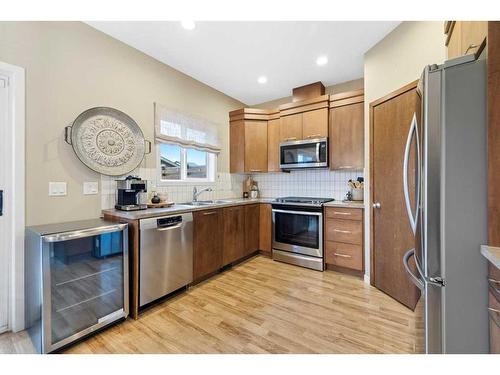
(413,217)
(416,280)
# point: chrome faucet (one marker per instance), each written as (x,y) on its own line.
(196,193)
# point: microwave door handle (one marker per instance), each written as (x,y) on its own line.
(416,280)
(318,144)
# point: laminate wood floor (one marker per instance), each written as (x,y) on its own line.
(262,306)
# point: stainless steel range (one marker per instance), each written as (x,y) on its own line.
(298,231)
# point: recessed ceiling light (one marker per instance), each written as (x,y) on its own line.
(262,80)
(188,25)
(322,60)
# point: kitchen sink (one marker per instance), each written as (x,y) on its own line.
(206,203)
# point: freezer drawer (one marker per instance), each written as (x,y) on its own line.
(166,256)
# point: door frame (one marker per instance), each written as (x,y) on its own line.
(16,200)
(410,86)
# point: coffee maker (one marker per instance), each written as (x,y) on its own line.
(131,194)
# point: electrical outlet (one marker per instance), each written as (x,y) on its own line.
(90,188)
(57,189)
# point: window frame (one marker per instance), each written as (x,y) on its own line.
(211,161)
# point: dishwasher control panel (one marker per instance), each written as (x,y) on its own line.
(169,221)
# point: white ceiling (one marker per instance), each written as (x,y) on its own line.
(230,56)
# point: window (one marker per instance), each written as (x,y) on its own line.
(185,164)
(187,146)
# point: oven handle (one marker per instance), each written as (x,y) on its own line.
(298,212)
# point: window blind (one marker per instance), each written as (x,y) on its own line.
(174,127)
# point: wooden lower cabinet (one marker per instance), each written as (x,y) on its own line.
(208,234)
(234,234)
(252,213)
(265,228)
(344,239)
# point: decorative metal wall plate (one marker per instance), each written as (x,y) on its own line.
(107,141)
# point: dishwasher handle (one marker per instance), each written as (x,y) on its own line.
(161,229)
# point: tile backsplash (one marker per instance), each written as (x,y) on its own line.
(311,182)
(306,183)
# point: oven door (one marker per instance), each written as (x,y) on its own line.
(311,153)
(299,232)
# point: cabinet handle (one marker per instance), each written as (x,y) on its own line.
(291,139)
(255,170)
(342,255)
(471,46)
(210,213)
(342,231)
(345,167)
(313,136)
(341,213)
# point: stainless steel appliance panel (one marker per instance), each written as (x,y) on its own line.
(310,153)
(464,209)
(298,232)
(166,256)
(76,280)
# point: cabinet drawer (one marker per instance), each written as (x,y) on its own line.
(347,231)
(344,255)
(344,213)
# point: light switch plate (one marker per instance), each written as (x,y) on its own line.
(57,189)
(90,188)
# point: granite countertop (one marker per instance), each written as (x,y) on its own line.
(181,208)
(492,254)
(347,204)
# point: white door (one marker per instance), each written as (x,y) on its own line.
(5,238)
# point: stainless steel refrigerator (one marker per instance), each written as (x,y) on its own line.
(449,216)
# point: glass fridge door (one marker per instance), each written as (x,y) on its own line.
(85,285)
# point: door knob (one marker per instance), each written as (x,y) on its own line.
(376,205)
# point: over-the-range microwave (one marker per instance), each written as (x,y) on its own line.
(308,153)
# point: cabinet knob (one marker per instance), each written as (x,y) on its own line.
(376,205)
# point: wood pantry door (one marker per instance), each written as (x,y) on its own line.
(392,236)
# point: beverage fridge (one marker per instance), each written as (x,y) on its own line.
(449,215)
(76,280)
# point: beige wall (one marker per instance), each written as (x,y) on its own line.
(333,89)
(396,60)
(71,67)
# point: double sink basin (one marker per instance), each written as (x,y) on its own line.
(206,203)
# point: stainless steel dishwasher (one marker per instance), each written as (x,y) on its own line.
(166,256)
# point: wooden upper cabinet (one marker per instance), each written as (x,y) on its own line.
(465,37)
(347,130)
(291,127)
(208,234)
(273,145)
(237,146)
(255,146)
(233,246)
(248,140)
(315,124)
(252,218)
(473,35)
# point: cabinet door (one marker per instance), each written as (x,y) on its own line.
(291,127)
(473,34)
(252,214)
(237,146)
(273,145)
(315,124)
(255,146)
(455,42)
(265,231)
(347,137)
(208,234)
(233,246)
